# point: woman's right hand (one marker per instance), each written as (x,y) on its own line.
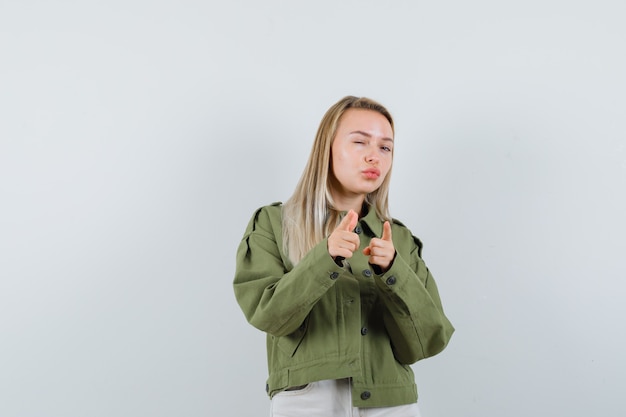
(343,241)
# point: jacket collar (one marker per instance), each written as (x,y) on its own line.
(372,221)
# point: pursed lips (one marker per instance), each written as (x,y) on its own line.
(371,173)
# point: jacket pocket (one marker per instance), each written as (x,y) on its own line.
(289,344)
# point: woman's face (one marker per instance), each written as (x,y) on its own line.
(361,153)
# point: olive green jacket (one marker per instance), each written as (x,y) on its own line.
(325,321)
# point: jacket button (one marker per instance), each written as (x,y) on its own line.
(391,280)
(334,275)
(365,395)
(358,230)
(364,331)
(367,273)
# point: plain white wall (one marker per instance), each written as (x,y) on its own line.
(138,137)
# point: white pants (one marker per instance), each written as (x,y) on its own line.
(330,398)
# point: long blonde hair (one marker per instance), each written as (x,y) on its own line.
(309,215)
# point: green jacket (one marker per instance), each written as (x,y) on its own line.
(325,321)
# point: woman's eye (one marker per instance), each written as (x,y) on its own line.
(386,148)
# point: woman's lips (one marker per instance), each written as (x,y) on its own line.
(371,173)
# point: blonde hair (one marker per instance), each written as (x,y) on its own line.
(309,215)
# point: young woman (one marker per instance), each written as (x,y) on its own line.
(339,286)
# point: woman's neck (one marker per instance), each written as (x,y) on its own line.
(346,204)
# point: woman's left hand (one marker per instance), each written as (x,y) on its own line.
(381,251)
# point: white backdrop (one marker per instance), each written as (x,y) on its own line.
(137,138)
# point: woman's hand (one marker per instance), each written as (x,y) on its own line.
(343,241)
(381,251)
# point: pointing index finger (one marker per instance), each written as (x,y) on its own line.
(349,221)
(386,231)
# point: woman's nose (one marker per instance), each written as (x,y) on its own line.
(371,158)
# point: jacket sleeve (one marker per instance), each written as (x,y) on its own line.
(414,316)
(273,299)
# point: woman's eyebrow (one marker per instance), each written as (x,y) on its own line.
(360,132)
